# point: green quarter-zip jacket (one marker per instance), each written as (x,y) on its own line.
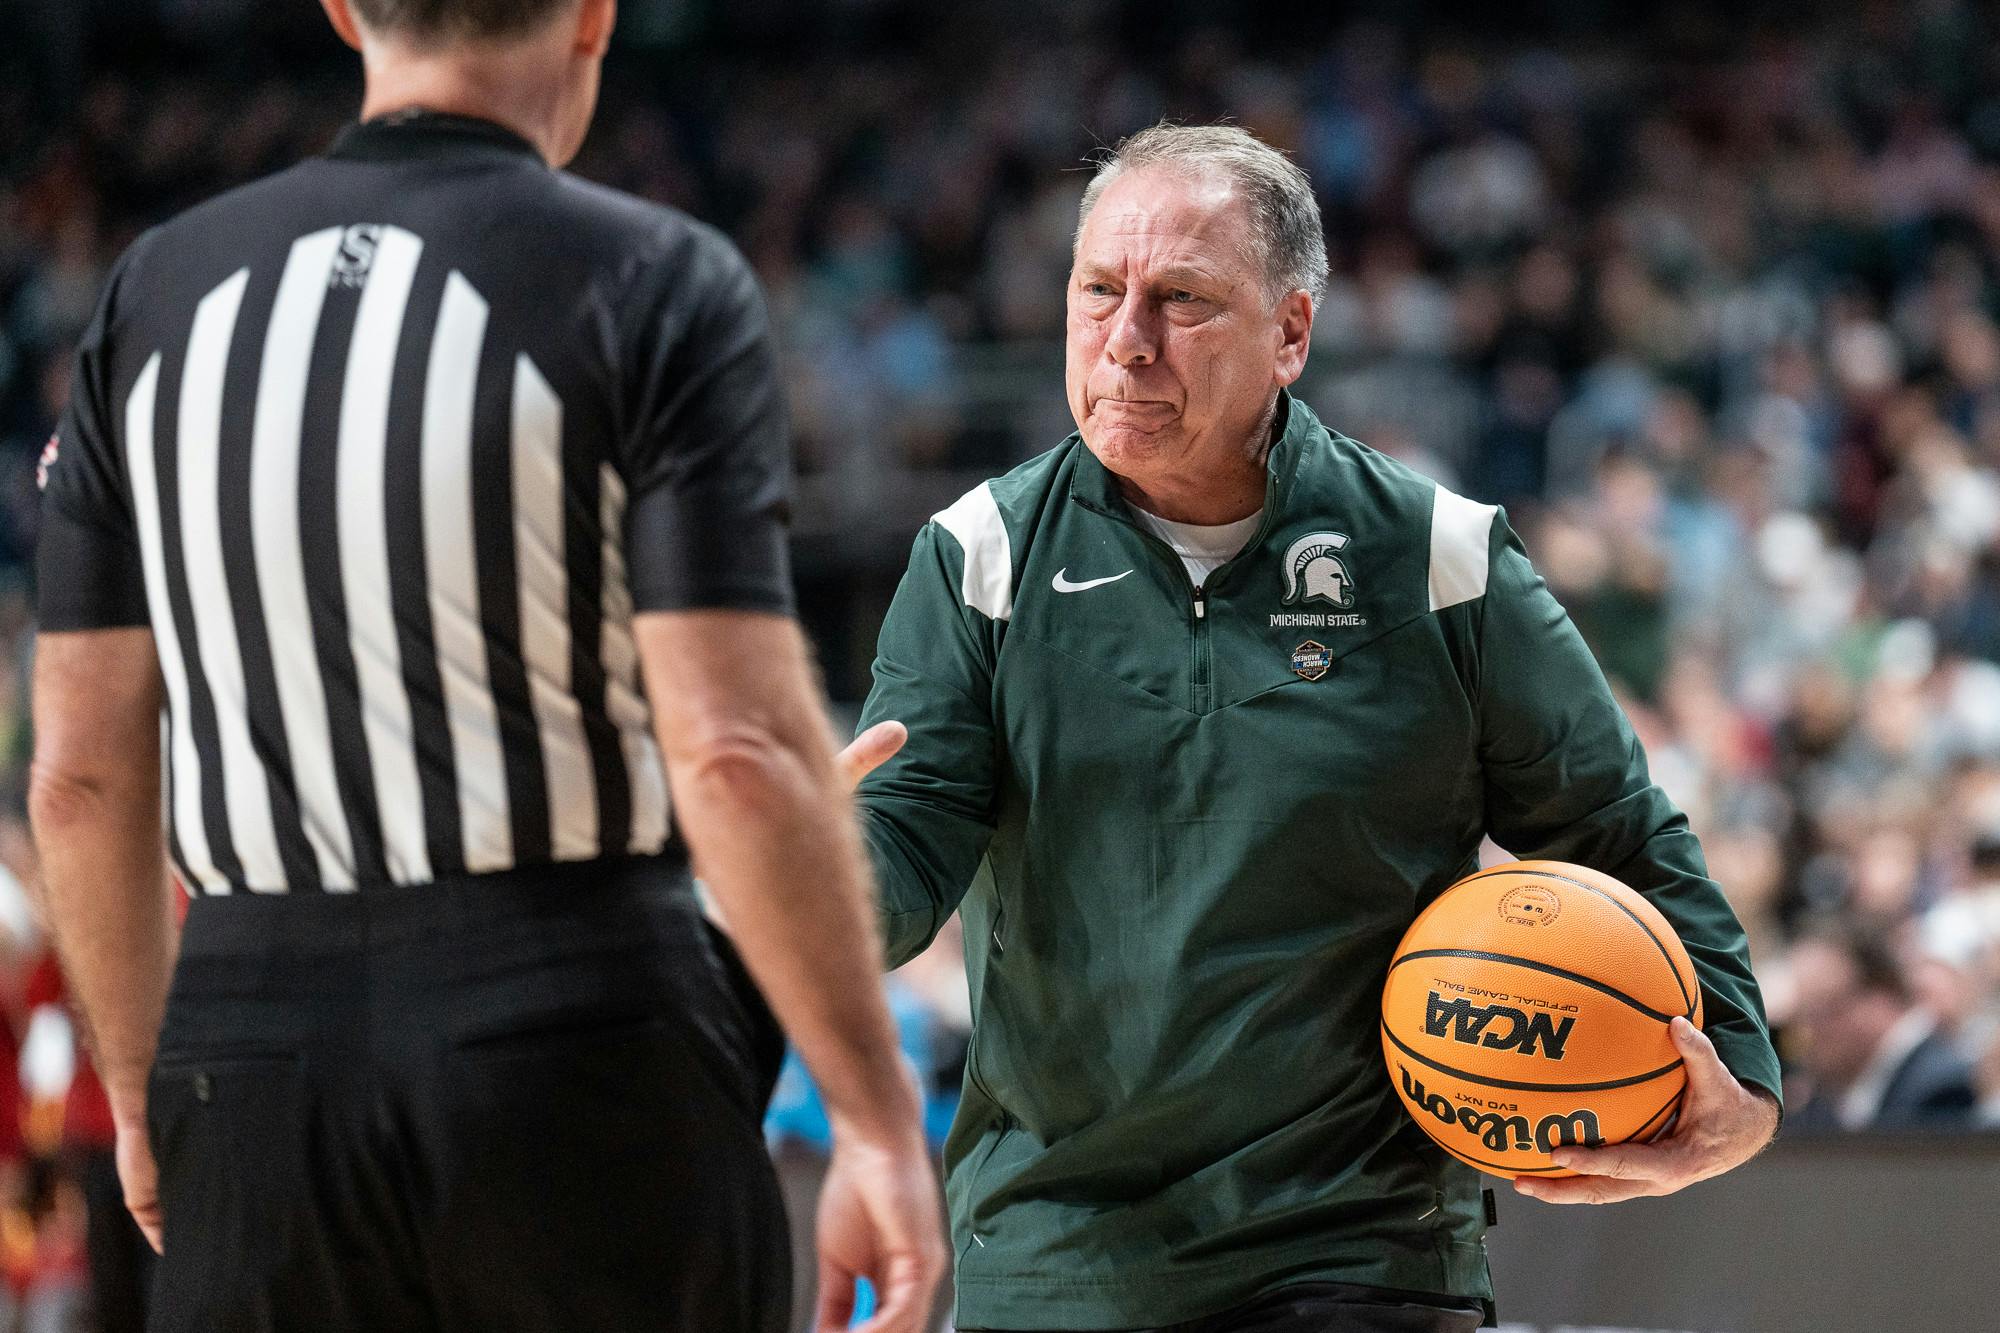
(1186,827)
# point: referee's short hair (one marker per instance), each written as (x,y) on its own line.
(435,20)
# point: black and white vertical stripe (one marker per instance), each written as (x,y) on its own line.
(388,592)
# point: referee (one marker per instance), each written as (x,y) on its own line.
(438,500)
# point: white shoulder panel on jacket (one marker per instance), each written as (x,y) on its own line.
(974,518)
(1461,535)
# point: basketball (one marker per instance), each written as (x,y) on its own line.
(1528,1009)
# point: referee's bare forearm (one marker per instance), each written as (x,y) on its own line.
(94,801)
(750,756)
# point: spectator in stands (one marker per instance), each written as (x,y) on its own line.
(1988,1116)
(1872,1057)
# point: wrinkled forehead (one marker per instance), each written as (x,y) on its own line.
(1159,218)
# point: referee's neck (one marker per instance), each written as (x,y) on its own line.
(537,92)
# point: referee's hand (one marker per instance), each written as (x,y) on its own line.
(140,1179)
(879,1219)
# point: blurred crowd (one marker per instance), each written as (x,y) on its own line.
(1709,303)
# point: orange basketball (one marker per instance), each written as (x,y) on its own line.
(1527,1009)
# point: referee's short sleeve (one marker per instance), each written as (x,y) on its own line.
(708,459)
(88,571)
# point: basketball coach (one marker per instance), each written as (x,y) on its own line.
(438,498)
(1202,708)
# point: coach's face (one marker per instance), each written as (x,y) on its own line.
(1176,346)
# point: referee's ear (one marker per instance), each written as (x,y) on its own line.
(342,18)
(594,21)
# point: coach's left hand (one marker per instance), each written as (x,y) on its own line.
(1722,1125)
(871,749)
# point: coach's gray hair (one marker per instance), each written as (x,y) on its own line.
(1284,215)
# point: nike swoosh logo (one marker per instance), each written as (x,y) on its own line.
(1062,584)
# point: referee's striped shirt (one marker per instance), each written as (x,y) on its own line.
(387,450)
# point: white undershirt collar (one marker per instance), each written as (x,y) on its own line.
(1202,547)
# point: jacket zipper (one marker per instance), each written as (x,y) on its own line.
(1215,576)
(1200,648)
(1199,591)
(1197,624)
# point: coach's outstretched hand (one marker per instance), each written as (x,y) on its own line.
(878,1219)
(871,749)
(1722,1125)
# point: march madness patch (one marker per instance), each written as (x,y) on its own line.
(1311,660)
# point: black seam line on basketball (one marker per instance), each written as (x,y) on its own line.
(1679,985)
(1534,966)
(1497,1167)
(1515,1085)
(1483,1164)
(1661,1114)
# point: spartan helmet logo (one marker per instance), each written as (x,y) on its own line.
(1314,571)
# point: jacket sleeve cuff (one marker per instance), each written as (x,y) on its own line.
(1750,1057)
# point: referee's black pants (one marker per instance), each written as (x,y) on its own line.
(525,1101)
